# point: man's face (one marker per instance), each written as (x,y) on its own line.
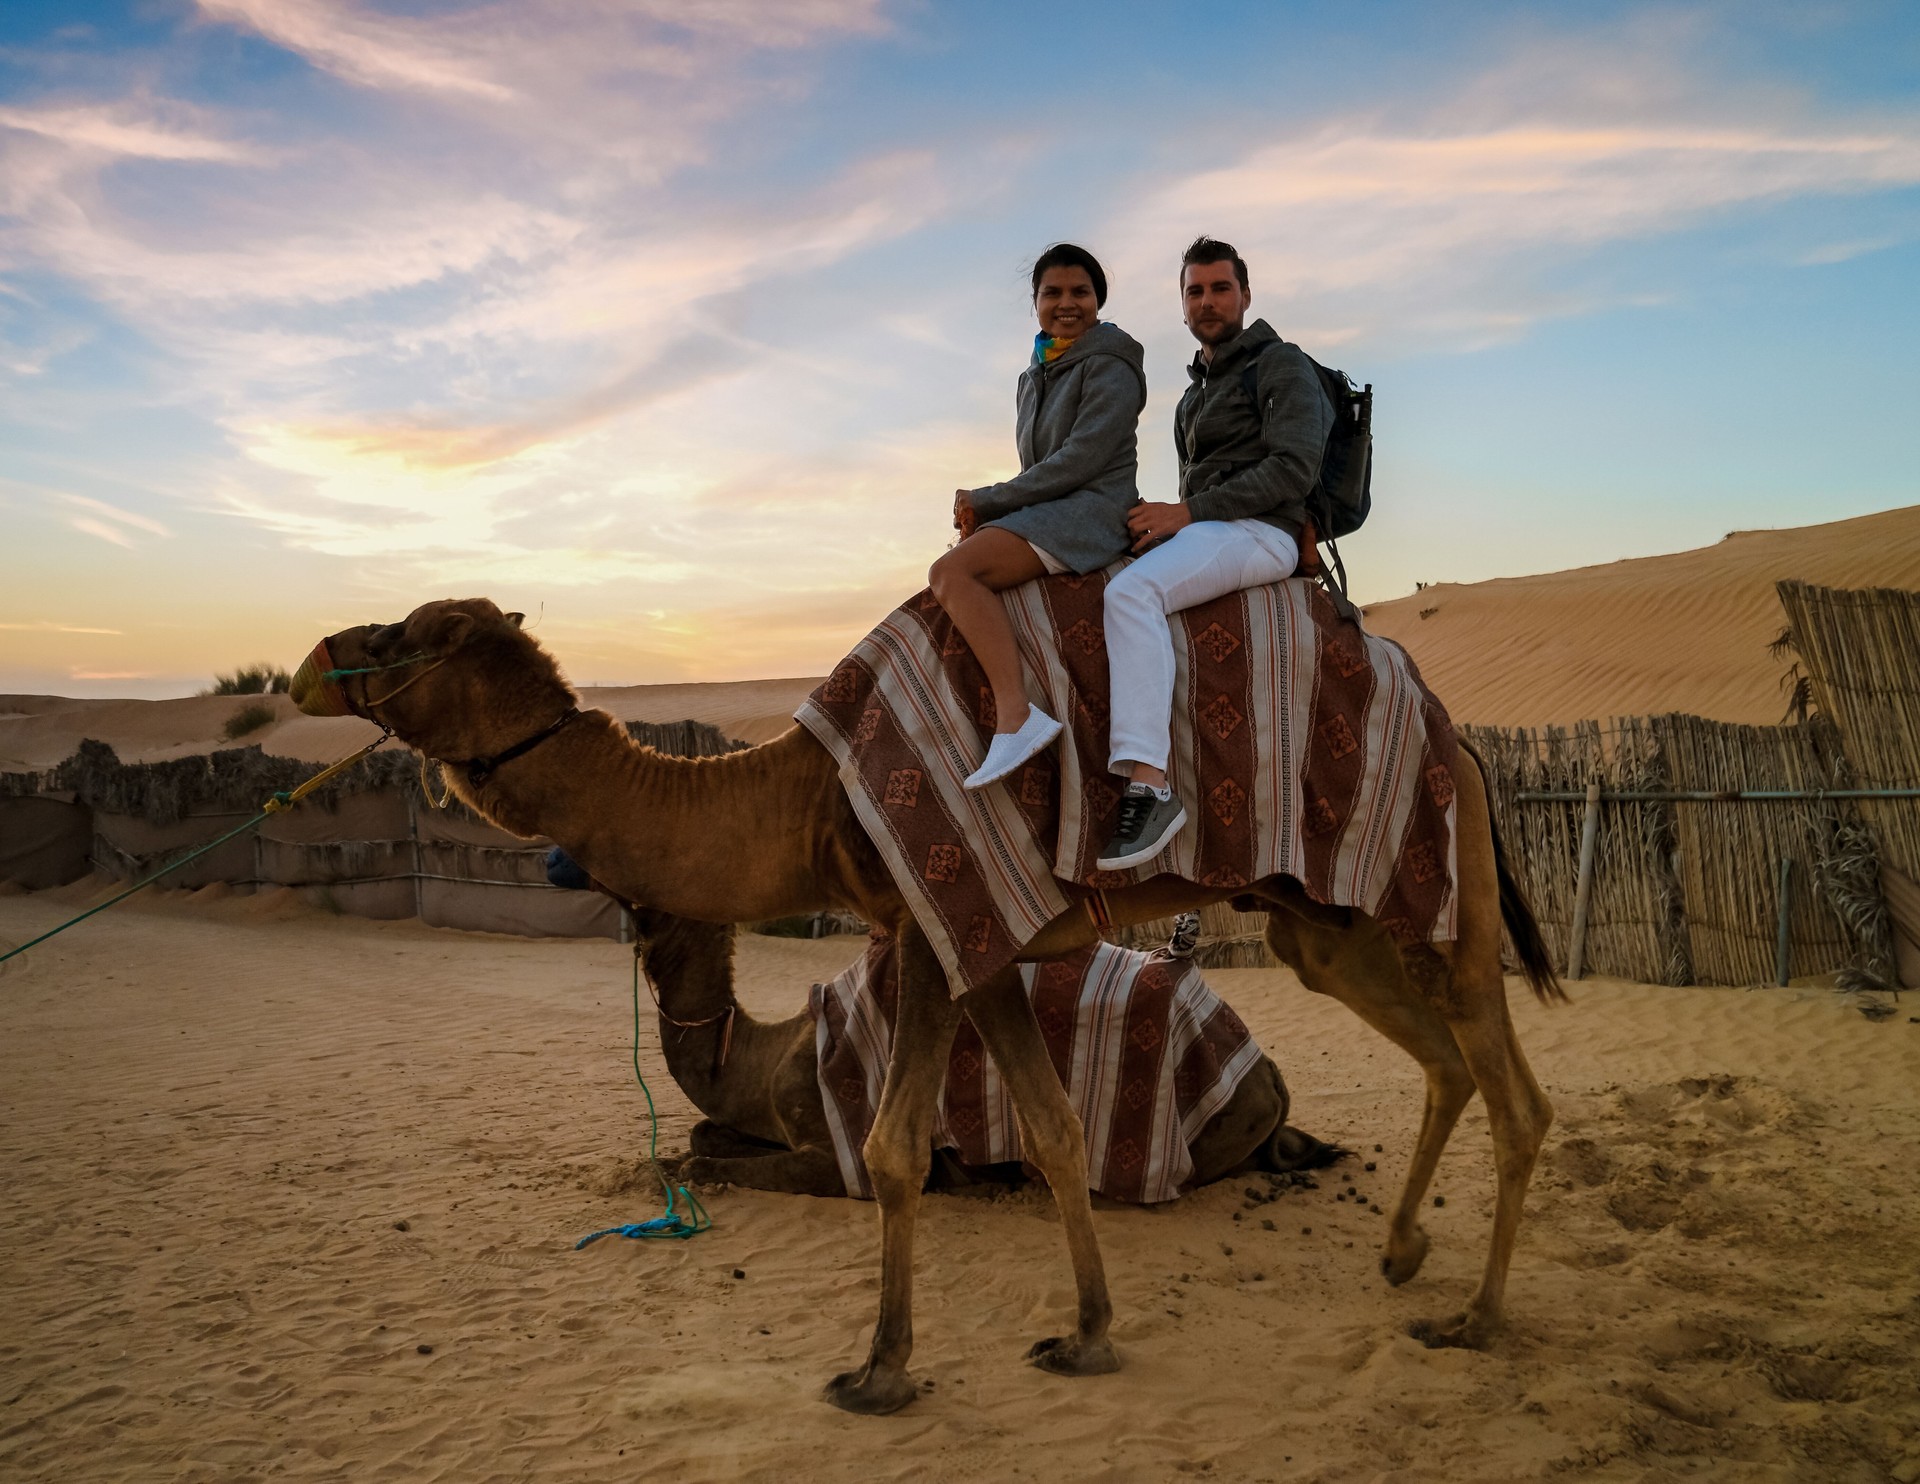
(1213,302)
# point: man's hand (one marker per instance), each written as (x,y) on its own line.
(1149,523)
(964,520)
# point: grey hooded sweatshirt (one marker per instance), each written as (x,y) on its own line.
(1078,452)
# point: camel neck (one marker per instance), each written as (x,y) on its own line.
(724,839)
(718,1054)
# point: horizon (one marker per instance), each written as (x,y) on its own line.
(683,331)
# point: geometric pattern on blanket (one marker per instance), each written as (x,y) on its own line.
(1147,1052)
(1302,747)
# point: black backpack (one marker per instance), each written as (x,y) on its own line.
(1342,500)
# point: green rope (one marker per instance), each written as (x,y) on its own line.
(281,798)
(672,1225)
(375,669)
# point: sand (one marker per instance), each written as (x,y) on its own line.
(1686,632)
(39,731)
(259,1157)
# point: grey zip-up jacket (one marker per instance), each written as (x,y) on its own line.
(1239,461)
(1079,452)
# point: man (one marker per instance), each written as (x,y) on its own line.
(1247,466)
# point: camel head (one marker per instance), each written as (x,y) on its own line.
(454,679)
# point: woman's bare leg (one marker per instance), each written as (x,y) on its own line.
(968,582)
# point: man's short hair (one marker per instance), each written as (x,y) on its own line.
(1204,249)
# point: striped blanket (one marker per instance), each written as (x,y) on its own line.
(1146,1051)
(1302,747)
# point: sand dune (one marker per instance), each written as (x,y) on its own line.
(1687,632)
(39,731)
(296,1194)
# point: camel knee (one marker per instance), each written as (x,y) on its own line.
(897,1163)
(1055,1139)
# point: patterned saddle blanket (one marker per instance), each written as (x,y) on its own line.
(1147,1052)
(1302,746)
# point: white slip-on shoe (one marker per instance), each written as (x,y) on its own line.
(1009,750)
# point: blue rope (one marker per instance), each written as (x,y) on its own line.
(679,1221)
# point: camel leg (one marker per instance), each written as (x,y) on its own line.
(718,1141)
(899,1151)
(811,1171)
(1470,994)
(1051,1135)
(1360,967)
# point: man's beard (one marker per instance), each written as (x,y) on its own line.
(1218,333)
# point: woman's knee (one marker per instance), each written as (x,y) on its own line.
(949,569)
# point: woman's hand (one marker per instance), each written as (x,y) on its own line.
(964,520)
(1149,523)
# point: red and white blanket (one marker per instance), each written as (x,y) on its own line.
(1147,1052)
(1302,747)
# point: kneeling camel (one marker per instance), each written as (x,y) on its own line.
(755,1082)
(768,832)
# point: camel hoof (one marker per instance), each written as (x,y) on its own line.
(1401,1261)
(1074,1357)
(1462,1332)
(868,1393)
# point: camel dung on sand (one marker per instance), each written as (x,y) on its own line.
(757,1087)
(769,832)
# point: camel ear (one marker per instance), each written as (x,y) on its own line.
(453,631)
(516,619)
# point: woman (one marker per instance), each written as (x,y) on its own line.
(1066,511)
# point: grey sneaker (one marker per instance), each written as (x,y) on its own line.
(1186,935)
(1147,826)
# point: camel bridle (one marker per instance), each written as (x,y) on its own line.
(726,1015)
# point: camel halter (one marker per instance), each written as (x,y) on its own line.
(726,1033)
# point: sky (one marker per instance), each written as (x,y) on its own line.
(676,323)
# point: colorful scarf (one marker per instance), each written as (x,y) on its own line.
(1046,348)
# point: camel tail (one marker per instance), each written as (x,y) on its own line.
(1517,913)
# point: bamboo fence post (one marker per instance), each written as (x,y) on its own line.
(1583,890)
(1783,940)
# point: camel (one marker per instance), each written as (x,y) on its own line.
(769,832)
(755,1086)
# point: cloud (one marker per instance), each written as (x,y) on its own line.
(1449,222)
(367,47)
(88,526)
(115,514)
(129,129)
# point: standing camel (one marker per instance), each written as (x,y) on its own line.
(756,1085)
(769,832)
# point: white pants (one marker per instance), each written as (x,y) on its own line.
(1200,562)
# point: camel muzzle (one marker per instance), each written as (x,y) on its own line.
(316,685)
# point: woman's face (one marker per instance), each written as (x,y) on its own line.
(1065,304)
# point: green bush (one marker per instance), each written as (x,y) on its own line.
(252,680)
(247,719)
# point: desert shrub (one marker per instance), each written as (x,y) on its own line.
(247,719)
(252,680)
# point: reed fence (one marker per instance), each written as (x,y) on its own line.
(1687,892)
(1861,649)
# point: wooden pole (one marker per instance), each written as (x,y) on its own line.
(1583,890)
(1783,942)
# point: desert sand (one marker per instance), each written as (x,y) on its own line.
(39,731)
(295,1195)
(1685,632)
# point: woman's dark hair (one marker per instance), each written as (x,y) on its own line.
(1066,255)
